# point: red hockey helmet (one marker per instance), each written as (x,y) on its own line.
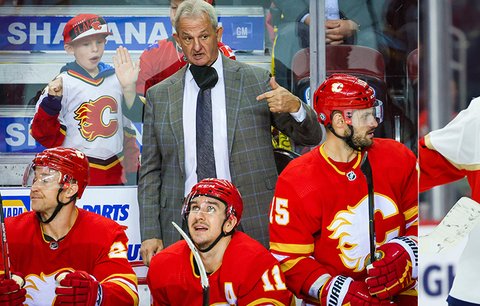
(220,189)
(72,164)
(345,93)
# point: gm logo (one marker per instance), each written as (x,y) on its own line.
(15,205)
(242,30)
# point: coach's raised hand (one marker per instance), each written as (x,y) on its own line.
(279,99)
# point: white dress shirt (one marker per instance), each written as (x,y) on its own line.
(219,123)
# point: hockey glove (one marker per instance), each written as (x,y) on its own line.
(78,288)
(52,105)
(11,291)
(343,290)
(395,270)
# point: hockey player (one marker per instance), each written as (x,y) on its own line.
(68,256)
(446,155)
(319,216)
(163,58)
(453,152)
(84,106)
(240,270)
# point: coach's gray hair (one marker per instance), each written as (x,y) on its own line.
(196,8)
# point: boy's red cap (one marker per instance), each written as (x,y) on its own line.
(84,25)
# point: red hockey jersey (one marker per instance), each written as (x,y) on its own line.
(249,275)
(319,222)
(94,244)
(162,59)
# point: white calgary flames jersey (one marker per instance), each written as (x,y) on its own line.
(91,114)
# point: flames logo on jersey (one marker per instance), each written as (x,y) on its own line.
(42,287)
(350,228)
(98,118)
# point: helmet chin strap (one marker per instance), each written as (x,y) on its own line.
(57,209)
(348,139)
(214,243)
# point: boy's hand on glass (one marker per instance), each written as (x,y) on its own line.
(125,69)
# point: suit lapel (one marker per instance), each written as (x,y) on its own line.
(175,98)
(233,85)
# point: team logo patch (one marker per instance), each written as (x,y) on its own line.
(98,118)
(351,176)
(96,25)
(337,87)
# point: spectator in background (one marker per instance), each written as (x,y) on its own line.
(84,107)
(165,57)
(401,38)
(245,101)
(343,20)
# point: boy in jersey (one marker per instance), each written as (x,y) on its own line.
(84,107)
(165,57)
(67,255)
(319,228)
(240,270)
(447,155)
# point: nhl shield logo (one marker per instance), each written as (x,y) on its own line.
(351,176)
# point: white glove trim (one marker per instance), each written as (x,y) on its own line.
(317,285)
(411,247)
(338,290)
(99,295)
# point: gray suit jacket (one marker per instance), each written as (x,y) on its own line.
(252,165)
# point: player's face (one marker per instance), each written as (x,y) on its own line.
(205,220)
(364,124)
(44,190)
(198,40)
(88,52)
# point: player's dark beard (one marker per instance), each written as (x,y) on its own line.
(359,141)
